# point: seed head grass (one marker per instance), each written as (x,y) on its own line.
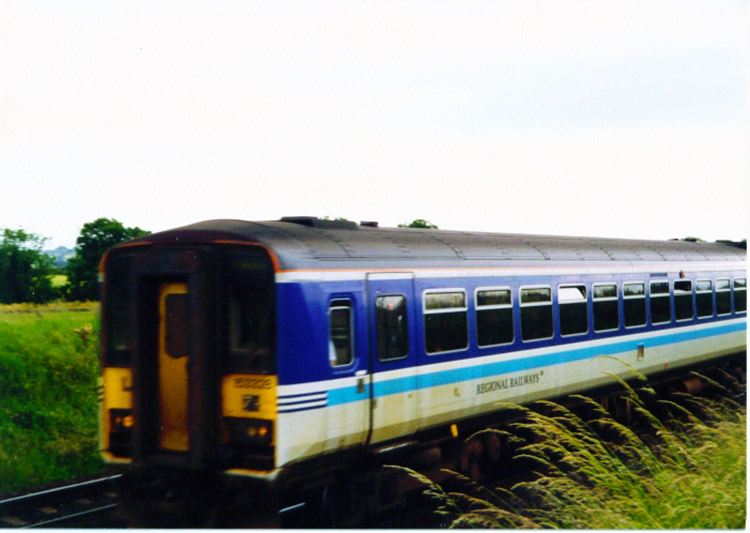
(589,467)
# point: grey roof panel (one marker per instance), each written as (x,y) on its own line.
(300,246)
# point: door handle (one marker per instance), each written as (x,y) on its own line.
(361,385)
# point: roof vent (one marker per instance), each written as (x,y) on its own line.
(315,222)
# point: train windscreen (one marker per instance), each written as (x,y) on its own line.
(249,312)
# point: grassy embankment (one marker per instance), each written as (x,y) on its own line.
(48,394)
(684,472)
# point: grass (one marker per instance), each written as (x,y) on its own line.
(59,280)
(48,394)
(682,469)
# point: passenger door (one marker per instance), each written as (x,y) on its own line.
(347,395)
(393,378)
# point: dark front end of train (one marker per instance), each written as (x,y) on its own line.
(188,359)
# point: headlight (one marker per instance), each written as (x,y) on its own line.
(121,423)
(249,431)
(120,420)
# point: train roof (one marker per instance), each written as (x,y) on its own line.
(310,243)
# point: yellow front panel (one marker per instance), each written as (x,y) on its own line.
(117,385)
(173,382)
(249,396)
(117,388)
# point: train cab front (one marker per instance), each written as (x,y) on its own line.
(188,359)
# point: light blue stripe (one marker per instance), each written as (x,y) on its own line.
(446,377)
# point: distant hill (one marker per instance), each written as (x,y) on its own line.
(61,254)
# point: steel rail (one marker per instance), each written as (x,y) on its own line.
(26,504)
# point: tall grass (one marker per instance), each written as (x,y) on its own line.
(684,469)
(48,396)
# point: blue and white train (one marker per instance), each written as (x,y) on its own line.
(269,350)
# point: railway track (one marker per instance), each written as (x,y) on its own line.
(78,505)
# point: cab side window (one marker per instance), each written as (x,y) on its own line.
(340,333)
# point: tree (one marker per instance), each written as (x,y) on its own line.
(419,223)
(95,238)
(24,270)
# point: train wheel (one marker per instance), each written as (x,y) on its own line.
(468,459)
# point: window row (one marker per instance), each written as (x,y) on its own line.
(446,313)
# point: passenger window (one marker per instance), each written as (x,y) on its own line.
(391,327)
(606,314)
(634,304)
(660,310)
(341,337)
(536,313)
(573,307)
(494,317)
(704,298)
(683,300)
(723,297)
(446,326)
(740,295)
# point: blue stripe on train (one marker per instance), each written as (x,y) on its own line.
(446,377)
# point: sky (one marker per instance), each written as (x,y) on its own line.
(623,119)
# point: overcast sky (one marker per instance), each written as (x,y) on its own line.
(614,119)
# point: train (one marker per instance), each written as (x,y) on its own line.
(289,353)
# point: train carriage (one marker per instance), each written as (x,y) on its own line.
(260,349)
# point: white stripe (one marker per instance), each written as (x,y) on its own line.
(315,387)
(306,405)
(300,399)
(672,267)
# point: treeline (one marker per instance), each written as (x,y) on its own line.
(26,272)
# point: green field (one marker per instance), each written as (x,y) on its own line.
(48,394)
(59,280)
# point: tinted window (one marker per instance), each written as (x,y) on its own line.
(494,317)
(536,313)
(704,298)
(391,327)
(176,308)
(740,295)
(117,282)
(606,314)
(660,309)
(683,300)
(634,304)
(445,322)
(250,309)
(723,297)
(574,315)
(340,344)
